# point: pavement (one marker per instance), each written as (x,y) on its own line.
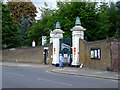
(68,70)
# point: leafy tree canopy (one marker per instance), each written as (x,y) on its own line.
(24,29)
(99,20)
(117,34)
(43,26)
(26,8)
(10,33)
(90,16)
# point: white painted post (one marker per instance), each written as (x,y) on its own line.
(56,35)
(33,43)
(77,33)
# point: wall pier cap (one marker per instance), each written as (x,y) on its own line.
(78,26)
(57,33)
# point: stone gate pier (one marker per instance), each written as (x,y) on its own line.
(56,34)
(77,33)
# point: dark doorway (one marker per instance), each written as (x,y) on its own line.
(46,56)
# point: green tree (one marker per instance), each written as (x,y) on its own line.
(43,26)
(102,23)
(91,18)
(26,8)
(97,19)
(117,34)
(112,13)
(10,33)
(24,29)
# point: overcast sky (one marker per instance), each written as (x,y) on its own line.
(52,4)
(40,3)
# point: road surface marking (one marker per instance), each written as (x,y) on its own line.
(23,65)
(39,79)
(57,82)
(14,74)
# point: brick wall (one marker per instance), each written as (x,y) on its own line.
(109,54)
(27,55)
(115,52)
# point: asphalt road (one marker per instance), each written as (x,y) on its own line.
(25,77)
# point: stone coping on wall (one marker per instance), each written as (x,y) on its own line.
(107,39)
(28,47)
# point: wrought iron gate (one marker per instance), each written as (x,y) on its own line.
(65,50)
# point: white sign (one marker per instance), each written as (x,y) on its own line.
(95,53)
(99,54)
(65,55)
(92,53)
(43,40)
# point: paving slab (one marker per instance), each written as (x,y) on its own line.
(88,73)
